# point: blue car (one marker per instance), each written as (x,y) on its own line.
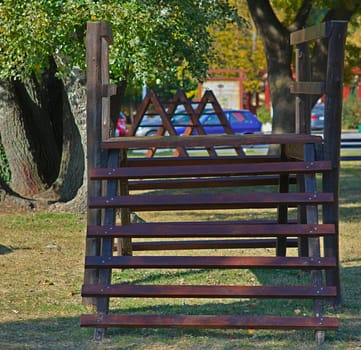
(241,122)
(318,117)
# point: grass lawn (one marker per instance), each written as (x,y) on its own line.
(41,264)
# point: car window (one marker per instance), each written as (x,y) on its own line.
(181,120)
(211,119)
(237,117)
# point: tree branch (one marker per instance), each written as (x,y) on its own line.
(301,16)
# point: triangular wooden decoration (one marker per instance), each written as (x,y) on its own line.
(166,126)
(152,99)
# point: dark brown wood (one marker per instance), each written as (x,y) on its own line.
(317,31)
(303,100)
(98,37)
(207,321)
(332,140)
(207,141)
(209,229)
(95,32)
(200,160)
(211,244)
(234,181)
(209,201)
(210,171)
(195,291)
(307,87)
(221,262)
(184,171)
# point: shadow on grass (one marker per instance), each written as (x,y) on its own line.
(5,250)
(45,334)
(64,332)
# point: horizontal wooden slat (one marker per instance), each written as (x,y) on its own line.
(225,291)
(208,321)
(211,244)
(209,170)
(257,180)
(207,140)
(147,202)
(200,160)
(209,262)
(307,87)
(209,229)
(317,31)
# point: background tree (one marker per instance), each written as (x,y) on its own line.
(42,87)
(238,46)
(274,21)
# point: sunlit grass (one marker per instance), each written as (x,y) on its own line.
(41,265)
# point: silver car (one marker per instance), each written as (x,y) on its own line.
(151,123)
(149,126)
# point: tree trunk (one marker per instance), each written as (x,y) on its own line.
(22,152)
(275,39)
(42,129)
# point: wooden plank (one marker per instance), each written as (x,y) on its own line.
(209,229)
(332,140)
(317,31)
(94,156)
(209,170)
(303,101)
(219,262)
(234,181)
(307,87)
(206,140)
(209,321)
(196,291)
(211,244)
(200,160)
(166,202)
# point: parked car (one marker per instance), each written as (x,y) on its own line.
(121,125)
(151,123)
(149,126)
(241,122)
(318,117)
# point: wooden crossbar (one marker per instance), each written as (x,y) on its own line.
(212,244)
(221,262)
(207,321)
(209,201)
(196,291)
(208,141)
(226,181)
(213,171)
(209,229)
(200,160)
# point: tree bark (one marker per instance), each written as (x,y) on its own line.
(275,39)
(42,129)
(26,176)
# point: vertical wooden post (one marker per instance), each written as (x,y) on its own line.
(332,140)
(303,101)
(302,125)
(96,31)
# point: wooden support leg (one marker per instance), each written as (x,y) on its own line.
(102,303)
(281,244)
(314,249)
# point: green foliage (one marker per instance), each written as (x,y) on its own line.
(5,173)
(33,31)
(152,39)
(351,112)
(264,115)
(237,46)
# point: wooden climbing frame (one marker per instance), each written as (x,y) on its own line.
(115,179)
